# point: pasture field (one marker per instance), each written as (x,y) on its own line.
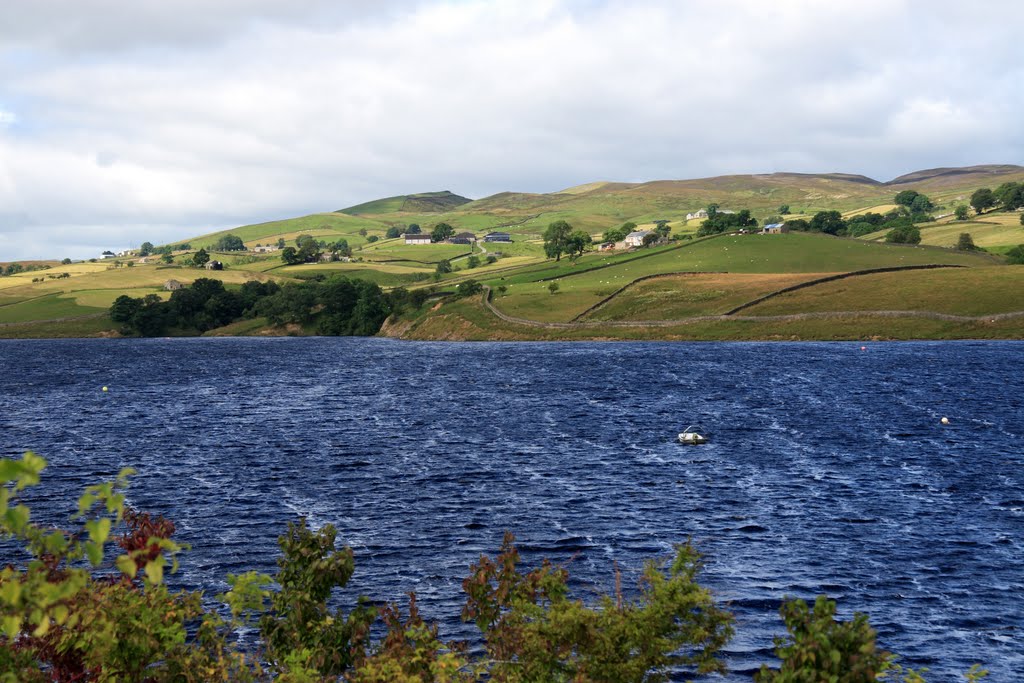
(383,274)
(988,231)
(332,223)
(397,250)
(582,286)
(49,307)
(93,326)
(880,208)
(328,235)
(519,246)
(467,319)
(799,253)
(957,291)
(675,297)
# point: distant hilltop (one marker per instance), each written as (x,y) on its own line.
(424,202)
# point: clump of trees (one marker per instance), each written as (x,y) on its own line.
(1008,197)
(966,242)
(229,243)
(308,249)
(560,238)
(334,306)
(718,221)
(618,234)
(72,613)
(441,232)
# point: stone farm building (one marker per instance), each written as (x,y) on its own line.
(636,238)
(463,238)
(775,228)
(416,239)
(172,285)
(497,237)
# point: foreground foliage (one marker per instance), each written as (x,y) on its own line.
(69,613)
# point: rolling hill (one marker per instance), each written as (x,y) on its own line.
(424,202)
(687,289)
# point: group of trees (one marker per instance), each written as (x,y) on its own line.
(229,243)
(147,249)
(718,222)
(73,613)
(441,232)
(560,238)
(335,306)
(1008,196)
(308,249)
(204,305)
(397,230)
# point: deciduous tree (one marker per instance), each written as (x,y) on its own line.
(556,239)
(983,199)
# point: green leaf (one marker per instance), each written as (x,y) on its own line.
(10,592)
(60,614)
(85,503)
(99,530)
(127,565)
(12,626)
(16,518)
(155,570)
(94,552)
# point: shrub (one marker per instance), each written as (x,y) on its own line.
(60,622)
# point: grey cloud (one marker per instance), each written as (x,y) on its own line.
(303,113)
(115,25)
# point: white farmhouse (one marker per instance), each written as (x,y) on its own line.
(636,238)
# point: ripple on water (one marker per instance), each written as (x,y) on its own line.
(828,473)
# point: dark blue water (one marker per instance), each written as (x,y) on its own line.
(829,471)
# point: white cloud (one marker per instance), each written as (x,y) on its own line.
(188,116)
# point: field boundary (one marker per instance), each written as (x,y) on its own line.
(637,281)
(833,278)
(791,317)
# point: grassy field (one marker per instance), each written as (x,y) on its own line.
(989,231)
(675,297)
(957,291)
(467,319)
(48,307)
(326,223)
(528,295)
(383,274)
(397,250)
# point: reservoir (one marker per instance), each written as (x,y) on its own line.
(829,469)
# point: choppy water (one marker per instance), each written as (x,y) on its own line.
(829,471)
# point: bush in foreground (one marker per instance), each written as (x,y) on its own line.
(70,614)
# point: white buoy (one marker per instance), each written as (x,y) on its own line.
(104,389)
(945,420)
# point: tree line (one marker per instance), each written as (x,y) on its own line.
(70,612)
(334,306)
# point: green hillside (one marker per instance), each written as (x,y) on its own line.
(327,226)
(686,288)
(424,202)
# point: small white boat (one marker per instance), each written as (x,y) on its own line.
(694,435)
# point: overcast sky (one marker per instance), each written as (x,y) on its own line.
(130,120)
